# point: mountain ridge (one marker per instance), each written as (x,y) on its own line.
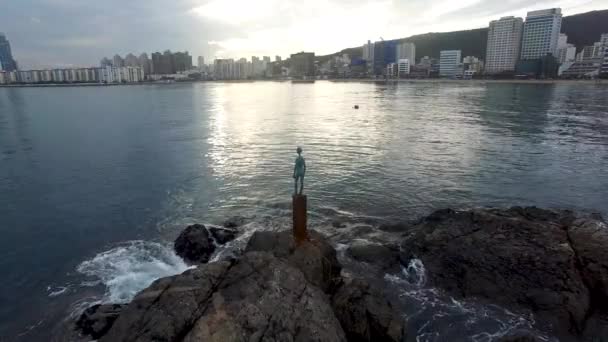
(582,29)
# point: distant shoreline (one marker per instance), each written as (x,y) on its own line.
(345,80)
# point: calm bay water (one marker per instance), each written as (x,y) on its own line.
(88,170)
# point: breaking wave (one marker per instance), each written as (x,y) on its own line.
(131,267)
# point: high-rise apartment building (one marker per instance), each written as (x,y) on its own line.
(118,62)
(450,63)
(131,60)
(407,51)
(565,52)
(541,33)
(384,54)
(303,64)
(368,51)
(504,42)
(7,63)
(145,63)
(201,62)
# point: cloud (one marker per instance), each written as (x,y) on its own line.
(62,32)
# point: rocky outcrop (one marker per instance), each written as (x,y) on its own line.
(222,235)
(197,243)
(316,258)
(98,319)
(255,298)
(275,291)
(384,256)
(366,315)
(543,260)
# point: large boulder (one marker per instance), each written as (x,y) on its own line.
(98,319)
(194,244)
(543,260)
(222,235)
(365,314)
(386,257)
(316,258)
(257,298)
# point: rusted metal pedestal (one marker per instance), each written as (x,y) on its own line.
(300,233)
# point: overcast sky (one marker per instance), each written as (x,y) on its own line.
(48,33)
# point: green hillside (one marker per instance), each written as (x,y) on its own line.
(582,29)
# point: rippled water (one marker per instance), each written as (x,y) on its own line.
(84,172)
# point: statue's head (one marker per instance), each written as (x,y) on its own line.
(299,150)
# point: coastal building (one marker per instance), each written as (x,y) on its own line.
(450,63)
(7,63)
(384,54)
(392,70)
(302,64)
(403,68)
(223,69)
(117,61)
(277,59)
(419,71)
(604,66)
(105,62)
(604,59)
(145,63)
(541,33)
(407,51)
(201,63)
(131,60)
(181,61)
(121,74)
(588,68)
(368,51)
(472,65)
(72,75)
(565,52)
(503,47)
(591,52)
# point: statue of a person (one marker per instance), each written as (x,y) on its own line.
(299,170)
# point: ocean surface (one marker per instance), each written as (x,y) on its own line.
(95,182)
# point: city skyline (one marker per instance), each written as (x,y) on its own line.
(213,29)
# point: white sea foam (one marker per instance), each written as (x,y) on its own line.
(54,292)
(131,267)
(415,273)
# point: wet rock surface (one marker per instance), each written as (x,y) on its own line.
(194,244)
(547,261)
(197,243)
(365,314)
(384,256)
(550,263)
(275,291)
(98,319)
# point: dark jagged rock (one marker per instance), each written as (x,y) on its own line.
(222,235)
(365,314)
(235,222)
(519,337)
(257,298)
(543,260)
(98,319)
(374,253)
(316,258)
(194,244)
(395,227)
(596,329)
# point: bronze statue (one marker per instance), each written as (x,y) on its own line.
(299,170)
